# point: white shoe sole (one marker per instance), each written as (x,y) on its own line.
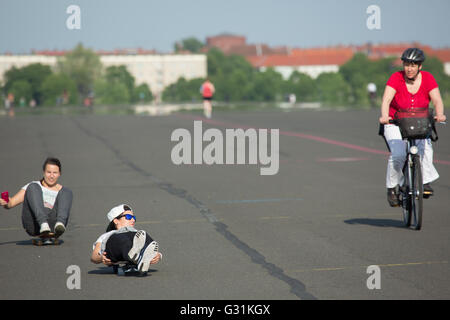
(138,244)
(150,252)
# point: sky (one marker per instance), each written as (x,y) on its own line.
(149,24)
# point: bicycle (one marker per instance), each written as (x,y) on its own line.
(414,124)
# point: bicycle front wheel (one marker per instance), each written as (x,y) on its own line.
(406,204)
(416,193)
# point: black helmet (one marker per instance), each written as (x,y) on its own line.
(414,55)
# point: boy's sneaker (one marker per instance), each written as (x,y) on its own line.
(427,191)
(149,253)
(138,245)
(45,228)
(59,229)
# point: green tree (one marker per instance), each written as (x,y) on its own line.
(83,66)
(302,85)
(235,62)
(216,60)
(238,87)
(333,89)
(380,71)
(235,79)
(359,71)
(56,86)
(436,67)
(232,76)
(267,86)
(183,90)
(191,44)
(120,74)
(33,74)
(21,89)
(111,93)
(142,93)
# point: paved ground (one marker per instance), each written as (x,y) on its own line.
(226,232)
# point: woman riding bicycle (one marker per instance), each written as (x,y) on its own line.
(409,88)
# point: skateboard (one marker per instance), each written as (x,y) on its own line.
(128,269)
(46,239)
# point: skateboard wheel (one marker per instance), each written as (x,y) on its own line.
(45,241)
(37,242)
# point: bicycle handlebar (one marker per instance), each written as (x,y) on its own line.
(394,121)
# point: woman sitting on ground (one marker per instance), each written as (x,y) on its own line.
(46,203)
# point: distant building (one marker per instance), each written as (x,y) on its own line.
(225,42)
(313,62)
(282,59)
(379,51)
(156,70)
(19,61)
(160,71)
(444,56)
(319,60)
(234,44)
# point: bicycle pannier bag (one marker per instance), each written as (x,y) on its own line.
(414,123)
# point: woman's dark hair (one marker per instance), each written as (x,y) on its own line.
(52,161)
(111,226)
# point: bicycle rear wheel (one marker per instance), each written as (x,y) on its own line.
(416,193)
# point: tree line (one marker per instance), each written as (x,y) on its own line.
(77,76)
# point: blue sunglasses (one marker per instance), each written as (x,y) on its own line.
(127,216)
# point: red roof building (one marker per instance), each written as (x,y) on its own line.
(309,61)
(317,60)
(225,42)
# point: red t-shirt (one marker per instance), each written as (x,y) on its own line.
(403,99)
(207,90)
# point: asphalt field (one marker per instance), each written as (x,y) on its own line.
(226,231)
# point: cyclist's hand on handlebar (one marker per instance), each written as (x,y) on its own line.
(385,119)
(440,118)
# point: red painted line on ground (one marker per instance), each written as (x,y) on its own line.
(333,142)
(303,136)
(442,162)
(343,159)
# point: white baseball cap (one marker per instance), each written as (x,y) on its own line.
(117,211)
